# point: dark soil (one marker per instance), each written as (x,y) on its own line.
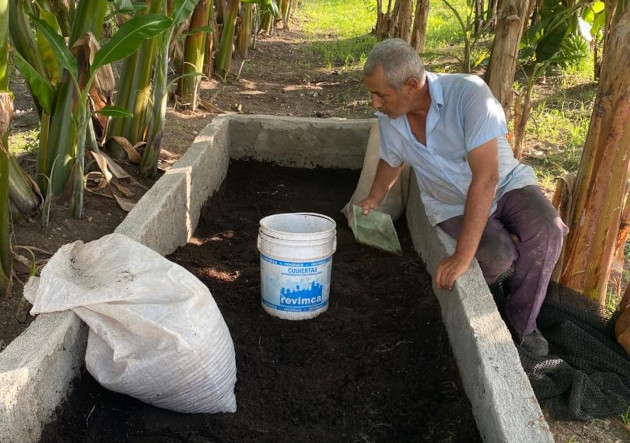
(375,367)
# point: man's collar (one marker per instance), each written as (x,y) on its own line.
(435,89)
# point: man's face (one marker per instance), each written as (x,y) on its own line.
(385,98)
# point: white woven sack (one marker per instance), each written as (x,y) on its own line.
(396,201)
(156,333)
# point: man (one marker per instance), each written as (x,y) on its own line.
(451,130)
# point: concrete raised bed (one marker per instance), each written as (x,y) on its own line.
(36,369)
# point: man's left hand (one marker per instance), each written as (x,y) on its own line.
(449,269)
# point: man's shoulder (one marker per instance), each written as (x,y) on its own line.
(461,80)
(391,128)
(387,121)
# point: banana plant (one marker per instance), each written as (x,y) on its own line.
(552,34)
(179,12)
(194,53)
(81,65)
(545,43)
(268,10)
(471,35)
(245,30)
(287,8)
(5,216)
(594,23)
(134,92)
(224,53)
(5,119)
(50,86)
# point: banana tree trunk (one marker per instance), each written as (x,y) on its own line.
(245,31)
(134,128)
(150,157)
(25,44)
(179,12)
(5,217)
(287,7)
(224,53)
(62,137)
(266,22)
(213,36)
(513,17)
(23,192)
(419,32)
(194,54)
(601,180)
(125,97)
(134,94)
(61,9)
(76,203)
(62,140)
(405,19)
(6,111)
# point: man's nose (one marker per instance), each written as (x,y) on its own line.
(377,103)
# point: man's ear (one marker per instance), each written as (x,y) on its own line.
(413,84)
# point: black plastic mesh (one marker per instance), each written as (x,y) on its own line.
(587,373)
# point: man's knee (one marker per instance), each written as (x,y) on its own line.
(550,235)
(496,257)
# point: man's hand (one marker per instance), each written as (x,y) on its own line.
(449,269)
(384,179)
(368,204)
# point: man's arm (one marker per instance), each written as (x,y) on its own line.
(484,164)
(384,179)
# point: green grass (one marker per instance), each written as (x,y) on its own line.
(342,19)
(22,142)
(339,30)
(556,131)
(443,29)
(556,135)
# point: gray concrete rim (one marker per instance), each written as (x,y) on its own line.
(36,369)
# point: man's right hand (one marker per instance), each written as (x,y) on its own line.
(368,204)
(384,179)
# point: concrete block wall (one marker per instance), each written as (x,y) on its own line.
(504,404)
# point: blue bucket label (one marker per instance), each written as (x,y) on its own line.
(295,286)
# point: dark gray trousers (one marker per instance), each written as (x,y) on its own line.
(525,232)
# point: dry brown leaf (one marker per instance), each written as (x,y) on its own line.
(106,192)
(6,111)
(106,163)
(210,107)
(22,264)
(98,180)
(103,164)
(123,189)
(124,203)
(132,153)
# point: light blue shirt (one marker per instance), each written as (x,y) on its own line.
(463,115)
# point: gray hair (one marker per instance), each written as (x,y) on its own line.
(399,61)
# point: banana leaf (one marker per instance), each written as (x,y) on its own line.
(129,37)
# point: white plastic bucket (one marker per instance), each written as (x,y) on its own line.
(296,264)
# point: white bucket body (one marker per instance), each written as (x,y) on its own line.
(296,264)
